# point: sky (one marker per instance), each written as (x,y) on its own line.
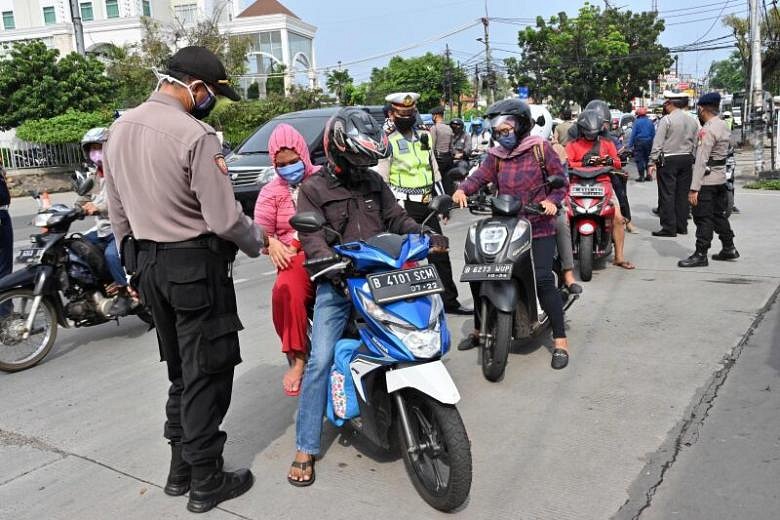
(350,30)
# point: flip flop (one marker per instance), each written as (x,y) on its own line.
(625,264)
(303,466)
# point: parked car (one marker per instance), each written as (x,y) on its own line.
(249,165)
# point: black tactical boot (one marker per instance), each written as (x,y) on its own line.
(727,253)
(697,259)
(211,485)
(179,475)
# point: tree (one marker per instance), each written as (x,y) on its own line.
(338,81)
(274,84)
(609,55)
(728,74)
(422,74)
(770,58)
(69,127)
(35,85)
(253,92)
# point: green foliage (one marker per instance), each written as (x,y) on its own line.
(338,82)
(764,184)
(607,54)
(34,85)
(423,74)
(770,57)
(355,95)
(253,91)
(132,75)
(728,74)
(274,85)
(238,120)
(65,128)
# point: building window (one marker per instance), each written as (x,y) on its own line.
(147,7)
(112,9)
(8,20)
(186,13)
(49,16)
(86,12)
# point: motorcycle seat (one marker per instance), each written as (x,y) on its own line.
(590,173)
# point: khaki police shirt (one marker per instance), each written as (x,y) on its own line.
(675,135)
(442,138)
(167,180)
(714,139)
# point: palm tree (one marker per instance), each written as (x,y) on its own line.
(337,82)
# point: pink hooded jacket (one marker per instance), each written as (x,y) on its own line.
(275,205)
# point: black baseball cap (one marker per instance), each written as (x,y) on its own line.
(437,110)
(201,63)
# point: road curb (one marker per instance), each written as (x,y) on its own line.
(686,431)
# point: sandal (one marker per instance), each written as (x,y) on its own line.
(560,358)
(303,466)
(574,288)
(625,264)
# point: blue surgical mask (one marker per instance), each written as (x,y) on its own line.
(508,142)
(292,173)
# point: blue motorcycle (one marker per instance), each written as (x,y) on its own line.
(388,380)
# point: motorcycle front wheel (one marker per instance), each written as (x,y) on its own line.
(495,352)
(586,257)
(439,460)
(17,352)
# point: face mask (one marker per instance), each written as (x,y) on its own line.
(96,156)
(508,142)
(292,173)
(701,118)
(404,123)
(201,110)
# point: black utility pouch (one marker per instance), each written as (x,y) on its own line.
(129,253)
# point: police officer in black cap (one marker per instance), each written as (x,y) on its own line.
(708,191)
(173,210)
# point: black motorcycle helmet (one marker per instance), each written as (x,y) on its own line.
(602,108)
(515,109)
(457,125)
(353,139)
(589,124)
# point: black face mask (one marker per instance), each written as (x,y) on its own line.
(404,123)
(203,109)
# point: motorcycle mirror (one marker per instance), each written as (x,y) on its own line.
(308,222)
(458,173)
(440,204)
(556,182)
(85,187)
(540,121)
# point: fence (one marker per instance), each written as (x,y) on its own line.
(19,155)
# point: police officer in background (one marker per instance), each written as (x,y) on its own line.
(442,147)
(170,199)
(413,175)
(672,156)
(708,190)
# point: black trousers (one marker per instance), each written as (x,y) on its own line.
(620,185)
(191,295)
(543,251)
(418,211)
(642,149)
(6,243)
(445,163)
(674,183)
(709,215)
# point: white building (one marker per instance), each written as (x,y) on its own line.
(277,35)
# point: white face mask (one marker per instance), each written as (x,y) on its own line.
(199,110)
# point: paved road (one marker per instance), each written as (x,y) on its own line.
(80,434)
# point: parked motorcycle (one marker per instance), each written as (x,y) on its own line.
(499,257)
(590,213)
(392,355)
(64,282)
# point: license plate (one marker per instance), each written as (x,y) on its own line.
(484,272)
(28,255)
(583,190)
(407,283)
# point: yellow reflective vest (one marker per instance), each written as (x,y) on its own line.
(411,165)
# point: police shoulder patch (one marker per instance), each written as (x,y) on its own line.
(219,159)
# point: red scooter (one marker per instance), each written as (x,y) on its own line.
(590,213)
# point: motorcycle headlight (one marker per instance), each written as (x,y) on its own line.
(473,233)
(520,229)
(41,220)
(491,239)
(421,343)
(378,313)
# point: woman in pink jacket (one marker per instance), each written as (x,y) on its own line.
(292,294)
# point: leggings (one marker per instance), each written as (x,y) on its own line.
(543,250)
(563,240)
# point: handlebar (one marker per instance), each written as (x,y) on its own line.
(316,262)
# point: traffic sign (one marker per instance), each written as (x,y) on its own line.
(522,92)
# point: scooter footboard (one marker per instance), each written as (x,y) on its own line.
(432,379)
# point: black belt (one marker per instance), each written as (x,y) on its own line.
(198,243)
(716,162)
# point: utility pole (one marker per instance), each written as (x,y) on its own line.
(448,77)
(476,86)
(78,29)
(488,58)
(756,88)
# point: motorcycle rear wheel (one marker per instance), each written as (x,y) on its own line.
(495,352)
(17,353)
(441,469)
(586,257)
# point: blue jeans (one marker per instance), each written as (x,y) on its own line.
(111,254)
(331,313)
(642,149)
